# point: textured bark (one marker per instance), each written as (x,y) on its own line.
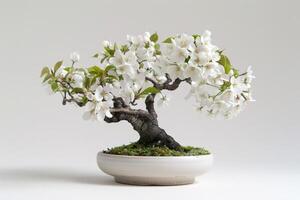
(150,105)
(146,125)
(153,134)
(168,85)
(145,122)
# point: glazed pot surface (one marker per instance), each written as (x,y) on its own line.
(154,170)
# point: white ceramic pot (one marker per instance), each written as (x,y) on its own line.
(154,170)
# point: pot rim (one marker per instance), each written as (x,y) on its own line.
(152,157)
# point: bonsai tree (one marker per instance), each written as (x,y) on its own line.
(141,71)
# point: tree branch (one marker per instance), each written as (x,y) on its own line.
(167,85)
(113,119)
(67,86)
(120,103)
(169,80)
(65,100)
(133,112)
(150,105)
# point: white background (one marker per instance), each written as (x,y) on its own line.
(48,152)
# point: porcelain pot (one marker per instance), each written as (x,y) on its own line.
(154,170)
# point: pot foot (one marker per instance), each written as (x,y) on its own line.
(167,181)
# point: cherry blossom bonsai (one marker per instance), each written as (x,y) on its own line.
(142,70)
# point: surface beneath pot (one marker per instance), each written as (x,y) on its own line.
(154,180)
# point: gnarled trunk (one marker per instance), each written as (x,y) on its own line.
(148,129)
(153,134)
(144,122)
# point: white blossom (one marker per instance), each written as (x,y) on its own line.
(103,93)
(106,43)
(140,40)
(166,49)
(249,76)
(61,73)
(211,70)
(126,92)
(77,79)
(184,41)
(178,55)
(102,109)
(194,72)
(74,57)
(125,63)
(176,71)
(204,39)
(199,58)
(161,79)
(237,86)
(89,111)
(90,96)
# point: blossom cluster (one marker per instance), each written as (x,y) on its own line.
(217,87)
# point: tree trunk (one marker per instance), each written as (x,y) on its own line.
(152,134)
(147,127)
(145,122)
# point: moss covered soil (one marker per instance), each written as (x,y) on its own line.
(135,149)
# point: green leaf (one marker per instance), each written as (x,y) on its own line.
(96,55)
(226,63)
(147,45)
(54,86)
(195,36)
(109,51)
(235,72)
(87,82)
(77,90)
(57,65)
(108,68)
(94,79)
(69,69)
(84,100)
(124,48)
(45,71)
(187,59)
(149,90)
(168,40)
(95,70)
(111,77)
(154,37)
(104,57)
(225,85)
(157,49)
(47,77)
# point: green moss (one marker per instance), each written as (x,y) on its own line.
(135,149)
